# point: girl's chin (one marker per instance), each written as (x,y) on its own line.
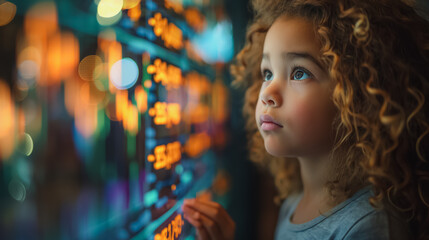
(277,150)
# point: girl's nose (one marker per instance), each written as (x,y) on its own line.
(271,95)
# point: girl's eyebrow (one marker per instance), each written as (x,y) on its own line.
(305,55)
(294,55)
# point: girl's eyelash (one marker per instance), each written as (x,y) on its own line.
(294,69)
(263,72)
(297,67)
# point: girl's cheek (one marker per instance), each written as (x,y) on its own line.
(306,121)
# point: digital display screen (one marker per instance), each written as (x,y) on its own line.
(110,116)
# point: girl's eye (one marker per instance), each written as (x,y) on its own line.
(300,74)
(267,75)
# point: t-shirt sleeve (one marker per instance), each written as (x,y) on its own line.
(372,226)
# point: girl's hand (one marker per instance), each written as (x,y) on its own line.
(210,219)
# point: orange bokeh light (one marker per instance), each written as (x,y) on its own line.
(172,231)
(134,12)
(166,155)
(169,32)
(8,122)
(141,99)
(7,13)
(166,114)
(197,144)
(168,75)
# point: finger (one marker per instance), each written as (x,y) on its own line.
(191,212)
(207,201)
(215,212)
(211,227)
(216,206)
(212,210)
(192,221)
(202,233)
(226,223)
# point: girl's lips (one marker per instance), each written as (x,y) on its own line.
(268,123)
(269,126)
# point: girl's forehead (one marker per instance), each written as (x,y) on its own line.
(291,34)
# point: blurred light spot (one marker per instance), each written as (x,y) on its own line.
(195,19)
(161,202)
(131,119)
(124,73)
(151,178)
(148,83)
(102,81)
(71,94)
(90,67)
(135,12)
(130,3)
(27,144)
(28,70)
(23,90)
(8,122)
(109,8)
(86,114)
(220,36)
(24,169)
(40,22)
(29,62)
(105,37)
(54,59)
(113,54)
(109,21)
(121,101)
(186,177)
(150,197)
(17,190)
(7,12)
(141,98)
(70,54)
(179,169)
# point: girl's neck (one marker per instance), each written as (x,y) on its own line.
(315,199)
(314,174)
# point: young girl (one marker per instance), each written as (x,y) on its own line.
(336,97)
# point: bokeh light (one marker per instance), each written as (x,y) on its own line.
(128,4)
(41,21)
(7,12)
(28,70)
(17,190)
(90,67)
(109,8)
(8,121)
(110,20)
(124,73)
(219,35)
(27,144)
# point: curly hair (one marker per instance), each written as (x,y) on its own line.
(377,54)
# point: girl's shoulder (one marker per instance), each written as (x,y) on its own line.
(354,218)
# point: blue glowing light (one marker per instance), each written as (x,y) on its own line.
(124,73)
(215,44)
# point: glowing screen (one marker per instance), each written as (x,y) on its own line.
(110,116)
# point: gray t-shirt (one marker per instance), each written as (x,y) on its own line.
(354,218)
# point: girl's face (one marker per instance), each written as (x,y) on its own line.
(294,111)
